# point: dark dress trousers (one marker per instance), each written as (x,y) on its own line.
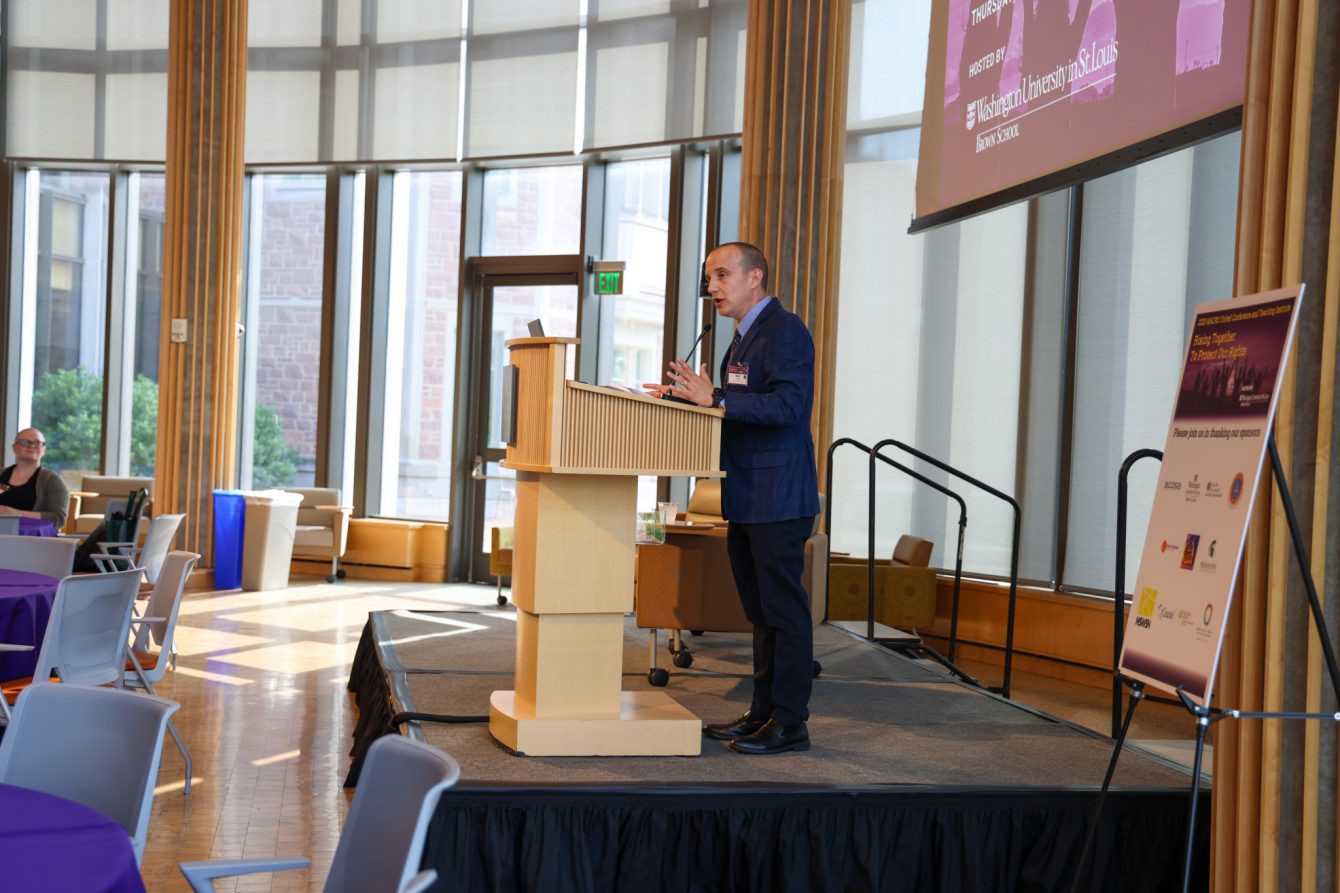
(770,496)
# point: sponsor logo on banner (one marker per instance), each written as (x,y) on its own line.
(1235,489)
(1149,599)
(1189,551)
(1172,485)
(1209,613)
(1213,543)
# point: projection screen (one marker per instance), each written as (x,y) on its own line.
(1025,96)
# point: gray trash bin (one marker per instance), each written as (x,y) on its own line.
(267,543)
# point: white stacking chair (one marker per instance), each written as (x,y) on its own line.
(149,557)
(88,633)
(96,746)
(381,845)
(9,525)
(153,651)
(50,555)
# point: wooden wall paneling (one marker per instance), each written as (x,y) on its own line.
(1318,823)
(791,179)
(196,449)
(1322,795)
(1274,820)
(1234,866)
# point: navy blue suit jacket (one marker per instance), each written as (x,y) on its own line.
(767,451)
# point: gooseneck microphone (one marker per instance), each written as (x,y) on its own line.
(707,327)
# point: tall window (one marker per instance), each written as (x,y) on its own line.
(1158,239)
(943,313)
(148,197)
(632,325)
(421,344)
(532,210)
(283,294)
(637,221)
(149,275)
(65,316)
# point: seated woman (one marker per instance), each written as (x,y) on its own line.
(29,490)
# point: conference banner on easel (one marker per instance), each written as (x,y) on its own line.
(1212,460)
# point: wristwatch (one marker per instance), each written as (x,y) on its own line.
(717,396)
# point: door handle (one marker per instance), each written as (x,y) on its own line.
(477,472)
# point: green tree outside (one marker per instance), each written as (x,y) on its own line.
(273,460)
(67,408)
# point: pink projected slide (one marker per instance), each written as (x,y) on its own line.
(1030,87)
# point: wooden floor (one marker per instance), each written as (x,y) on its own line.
(266,715)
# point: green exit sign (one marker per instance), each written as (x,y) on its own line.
(609,283)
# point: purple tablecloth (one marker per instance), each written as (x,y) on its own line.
(50,843)
(25,608)
(36,527)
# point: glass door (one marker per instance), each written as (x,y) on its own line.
(509,302)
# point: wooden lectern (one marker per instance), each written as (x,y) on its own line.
(577,451)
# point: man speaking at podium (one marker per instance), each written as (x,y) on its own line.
(770,492)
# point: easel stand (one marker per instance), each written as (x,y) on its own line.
(1206,716)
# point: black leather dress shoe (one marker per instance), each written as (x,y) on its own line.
(773,738)
(736,728)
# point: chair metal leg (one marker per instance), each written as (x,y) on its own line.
(186,754)
(149,687)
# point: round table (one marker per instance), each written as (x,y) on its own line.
(50,843)
(25,608)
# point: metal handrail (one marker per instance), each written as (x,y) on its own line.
(870,559)
(962,530)
(1119,587)
(1014,550)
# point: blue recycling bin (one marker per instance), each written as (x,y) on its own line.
(230,514)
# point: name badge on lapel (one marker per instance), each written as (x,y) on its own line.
(737,374)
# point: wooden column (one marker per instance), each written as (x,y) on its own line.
(202,261)
(795,121)
(1274,816)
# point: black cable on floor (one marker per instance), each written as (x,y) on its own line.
(401,718)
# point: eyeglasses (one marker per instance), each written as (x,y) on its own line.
(25,442)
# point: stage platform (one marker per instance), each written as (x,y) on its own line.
(914,781)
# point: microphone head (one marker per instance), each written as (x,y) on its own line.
(707,327)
